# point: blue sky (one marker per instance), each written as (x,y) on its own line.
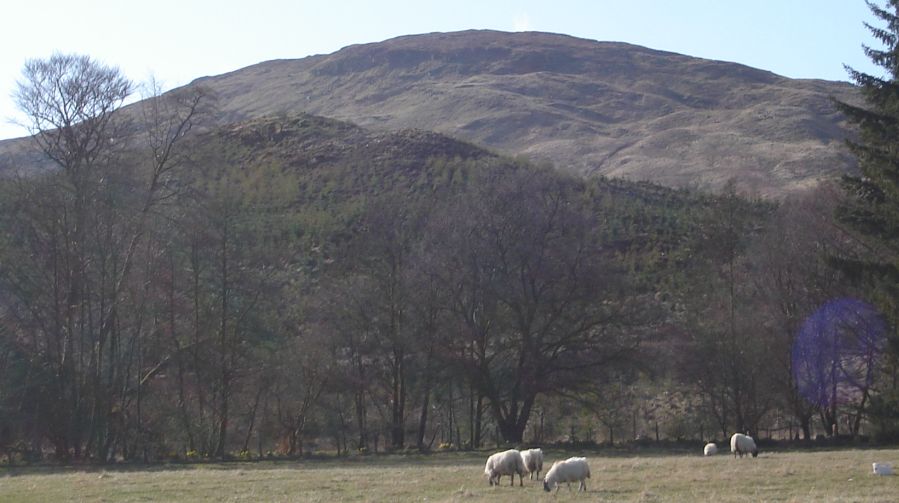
(180,40)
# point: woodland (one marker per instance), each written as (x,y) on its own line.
(293,285)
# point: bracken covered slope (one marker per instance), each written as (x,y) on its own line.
(591,107)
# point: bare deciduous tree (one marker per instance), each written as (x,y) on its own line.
(87,240)
(535,299)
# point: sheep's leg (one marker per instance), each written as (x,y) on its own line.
(583,486)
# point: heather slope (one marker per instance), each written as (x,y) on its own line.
(588,107)
(591,107)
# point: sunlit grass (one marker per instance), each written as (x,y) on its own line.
(774,476)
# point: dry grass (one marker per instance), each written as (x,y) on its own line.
(823,476)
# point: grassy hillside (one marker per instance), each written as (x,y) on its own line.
(589,107)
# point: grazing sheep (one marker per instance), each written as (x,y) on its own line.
(882,468)
(570,470)
(743,444)
(710,449)
(505,463)
(533,462)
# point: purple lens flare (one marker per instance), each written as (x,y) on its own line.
(836,352)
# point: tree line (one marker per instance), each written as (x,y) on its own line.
(168,292)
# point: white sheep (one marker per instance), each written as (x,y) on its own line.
(533,462)
(710,449)
(570,470)
(505,463)
(882,468)
(743,444)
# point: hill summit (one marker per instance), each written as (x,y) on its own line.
(595,108)
(591,108)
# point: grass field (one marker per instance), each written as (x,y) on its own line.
(819,476)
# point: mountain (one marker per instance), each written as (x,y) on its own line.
(592,108)
(596,108)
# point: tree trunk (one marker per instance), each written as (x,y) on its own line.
(246,442)
(223,348)
(512,421)
(478,421)
(398,412)
(361,419)
(425,403)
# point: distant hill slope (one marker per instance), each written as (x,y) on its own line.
(312,177)
(317,173)
(592,107)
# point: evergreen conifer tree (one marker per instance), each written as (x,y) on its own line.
(872,208)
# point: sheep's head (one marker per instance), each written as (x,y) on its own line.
(755,453)
(546,486)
